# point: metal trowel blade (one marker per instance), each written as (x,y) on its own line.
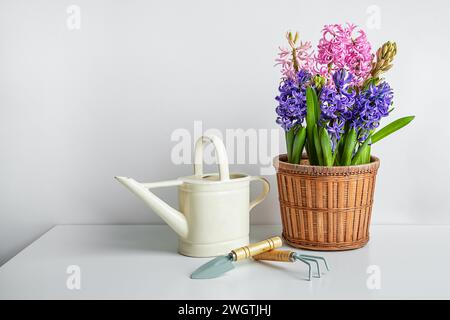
(214,268)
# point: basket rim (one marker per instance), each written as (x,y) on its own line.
(280,164)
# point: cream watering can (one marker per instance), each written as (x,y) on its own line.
(214,217)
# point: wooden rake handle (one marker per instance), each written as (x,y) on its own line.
(276,255)
(256,248)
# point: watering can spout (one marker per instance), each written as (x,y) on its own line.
(175,219)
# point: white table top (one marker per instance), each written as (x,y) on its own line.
(141,262)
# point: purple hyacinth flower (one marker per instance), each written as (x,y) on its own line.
(342,79)
(371,105)
(291,109)
(336,103)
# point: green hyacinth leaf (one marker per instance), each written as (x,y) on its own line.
(326,148)
(349,148)
(316,105)
(317,145)
(340,149)
(311,120)
(366,158)
(307,146)
(299,142)
(391,128)
(290,135)
(337,153)
(359,156)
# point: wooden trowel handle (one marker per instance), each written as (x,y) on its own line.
(256,248)
(276,255)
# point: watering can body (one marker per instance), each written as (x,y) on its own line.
(213,216)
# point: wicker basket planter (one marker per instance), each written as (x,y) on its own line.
(325,208)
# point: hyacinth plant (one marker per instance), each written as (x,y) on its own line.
(331,102)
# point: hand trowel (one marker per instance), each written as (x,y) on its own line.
(222,264)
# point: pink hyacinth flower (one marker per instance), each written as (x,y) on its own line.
(303,58)
(340,48)
(359,57)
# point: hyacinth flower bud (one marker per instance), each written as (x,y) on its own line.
(385,48)
(385,55)
(379,54)
(319,81)
(292,39)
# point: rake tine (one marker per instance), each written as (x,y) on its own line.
(319,258)
(309,265)
(315,261)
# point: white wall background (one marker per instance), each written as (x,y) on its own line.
(80,106)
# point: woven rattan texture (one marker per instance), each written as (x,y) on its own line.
(326,208)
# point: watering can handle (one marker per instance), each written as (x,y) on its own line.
(263,194)
(221,155)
